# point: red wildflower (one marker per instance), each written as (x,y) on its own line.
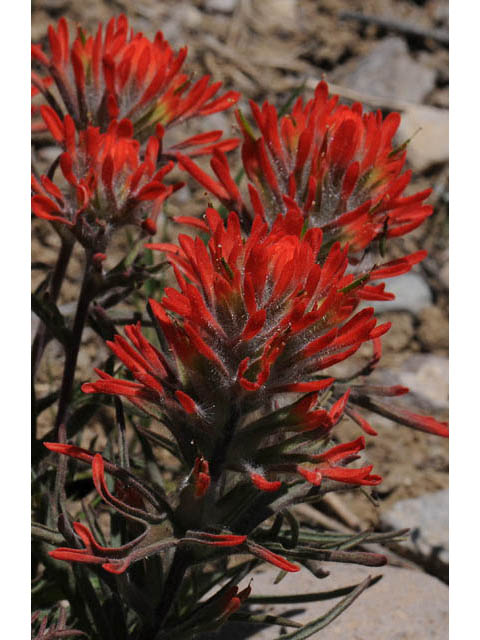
(121,74)
(107,186)
(231,602)
(254,319)
(332,463)
(201,477)
(336,165)
(219,607)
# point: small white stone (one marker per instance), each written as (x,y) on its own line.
(429,145)
(223,6)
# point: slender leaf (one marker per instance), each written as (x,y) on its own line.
(308,597)
(320,623)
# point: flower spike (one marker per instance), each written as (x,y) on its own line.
(338,167)
(107,185)
(120,74)
(250,319)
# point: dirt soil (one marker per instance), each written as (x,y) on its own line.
(267,49)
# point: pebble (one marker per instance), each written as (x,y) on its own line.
(427,377)
(411,291)
(429,145)
(404,605)
(222,6)
(389,71)
(55,5)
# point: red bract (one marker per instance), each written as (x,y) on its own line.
(331,466)
(365,395)
(252,319)
(38,125)
(107,184)
(149,542)
(336,165)
(121,74)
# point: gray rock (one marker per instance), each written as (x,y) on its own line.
(403,605)
(427,518)
(411,291)
(429,145)
(389,71)
(223,6)
(427,377)
(55,4)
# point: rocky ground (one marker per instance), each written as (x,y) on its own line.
(394,59)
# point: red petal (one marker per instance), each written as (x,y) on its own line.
(273,558)
(263,484)
(254,325)
(186,401)
(53,122)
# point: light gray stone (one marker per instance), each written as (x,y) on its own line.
(427,377)
(223,6)
(389,71)
(429,145)
(403,605)
(427,518)
(411,291)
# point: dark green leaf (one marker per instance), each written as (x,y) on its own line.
(308,597)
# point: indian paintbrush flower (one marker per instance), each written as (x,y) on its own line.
(122,74)
(337,165)
(108,184)
(253,319)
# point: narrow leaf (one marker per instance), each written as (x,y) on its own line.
(312,627)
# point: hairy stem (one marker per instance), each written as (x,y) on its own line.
(81,313)
(86,295)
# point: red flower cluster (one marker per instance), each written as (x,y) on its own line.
(107,185)
(253,318)
(121,74)
(331,162)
